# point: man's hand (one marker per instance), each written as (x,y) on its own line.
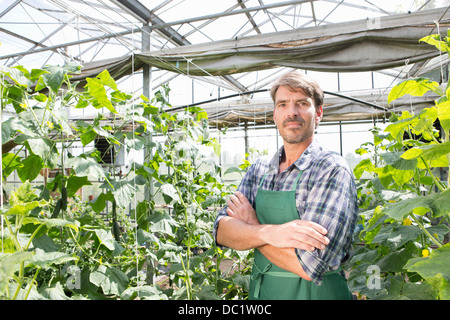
(301,234)
(240,208)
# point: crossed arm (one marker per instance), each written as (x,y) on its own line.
(241,230)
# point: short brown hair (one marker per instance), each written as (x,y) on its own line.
(296,80)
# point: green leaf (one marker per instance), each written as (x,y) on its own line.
(395,160)
(144,293)
(31,167)
(397,129)
(434,269)
(428,152)
(364,165)
(54,222)
(106,238)
(438,203)
(9,264)
(402,235)
(162,222)
(395,260)
(17,74)
(54,78)
(100,203)
(106,79)
(207,292)
(74,183)
(24,193)
(55,292)
(122,190)
(96,88)
(144,236)
(141,214)
(435,40)
(135,142)
(443,108)
(10,162)
(88,136)
(233,170)
(402,176)
(12,125)
(23,208)
(414,87)
(43,147)
(149,109)
(111,280)
(46,260)
(98,91)
(55,75)
(87,167)
(170,191)
(45,243)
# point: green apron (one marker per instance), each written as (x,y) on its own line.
(270,282)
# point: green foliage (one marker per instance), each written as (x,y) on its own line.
(56,246)
(400,251)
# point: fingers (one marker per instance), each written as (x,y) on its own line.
(240,208)
(311,243)
(232,203)
(242,199)
(305,235)
(310,235)
(236,201)
(317,227)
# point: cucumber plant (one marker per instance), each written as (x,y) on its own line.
(402,249)
(56,245)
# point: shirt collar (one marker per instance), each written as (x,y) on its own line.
(301,163)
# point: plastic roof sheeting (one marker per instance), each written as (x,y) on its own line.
(260,111)
(357,46)
(235,45)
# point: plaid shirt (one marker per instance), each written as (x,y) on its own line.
(325,194)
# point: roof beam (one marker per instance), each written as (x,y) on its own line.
(134,6)
(10,8)
(249,17)
(230,13)
(72,43)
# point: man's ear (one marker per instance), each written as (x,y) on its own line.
(319,115)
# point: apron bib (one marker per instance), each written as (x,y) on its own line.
(270,282)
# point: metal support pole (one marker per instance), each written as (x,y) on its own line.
(340,136)
(146,91)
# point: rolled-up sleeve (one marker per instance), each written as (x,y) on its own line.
(248,186)
(332,203)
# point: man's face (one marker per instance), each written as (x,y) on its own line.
(295,115)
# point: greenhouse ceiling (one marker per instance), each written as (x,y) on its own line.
(237,45)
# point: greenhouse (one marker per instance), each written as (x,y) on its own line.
(128,126)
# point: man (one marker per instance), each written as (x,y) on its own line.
(298,209)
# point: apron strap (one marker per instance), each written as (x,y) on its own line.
(262,179)
(258,274)
(257,277)
(293,186)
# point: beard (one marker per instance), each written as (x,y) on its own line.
(295,135)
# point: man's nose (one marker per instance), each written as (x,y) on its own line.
(292,108)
